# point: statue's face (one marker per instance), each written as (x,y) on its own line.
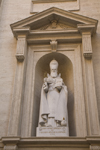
(54,72)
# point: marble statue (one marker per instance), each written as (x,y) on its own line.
(54,97)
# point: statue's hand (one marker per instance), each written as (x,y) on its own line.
(50,80)
(45,87)
(45,79)
(59,88)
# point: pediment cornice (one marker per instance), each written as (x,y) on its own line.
(69,20)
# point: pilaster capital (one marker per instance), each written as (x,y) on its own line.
(20,32)
(87,28)
(10,140)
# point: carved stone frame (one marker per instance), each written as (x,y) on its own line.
(70,4)
(85,28)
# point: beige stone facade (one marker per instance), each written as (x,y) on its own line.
(32,33)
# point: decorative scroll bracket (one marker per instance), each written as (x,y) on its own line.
(21,34)
(87,30)
(53,44)
(21,46)
(87,46)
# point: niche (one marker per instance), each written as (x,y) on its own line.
(66,70)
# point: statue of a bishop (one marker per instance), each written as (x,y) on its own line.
(54,97)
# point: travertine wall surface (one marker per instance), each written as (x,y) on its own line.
(15,10)
(92,9)
(12,11)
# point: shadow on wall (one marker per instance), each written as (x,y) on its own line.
(66,70)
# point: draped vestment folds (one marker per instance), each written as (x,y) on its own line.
(53,104)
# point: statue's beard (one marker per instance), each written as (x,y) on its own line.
(54,74)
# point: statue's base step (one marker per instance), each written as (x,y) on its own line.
(52,132)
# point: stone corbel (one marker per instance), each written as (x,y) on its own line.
(21,46)
(53,44)
(87,46)
(21,35)
(87,31)
(18,90)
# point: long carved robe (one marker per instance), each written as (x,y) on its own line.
(53,104)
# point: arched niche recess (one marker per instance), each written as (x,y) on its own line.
(66,70)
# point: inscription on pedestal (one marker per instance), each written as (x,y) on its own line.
(50,131)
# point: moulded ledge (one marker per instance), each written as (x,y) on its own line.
(49,1)
(67,141)
(72,143)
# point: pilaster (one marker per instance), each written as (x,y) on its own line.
(89,86)
(27,116)
(79,102)
(17,98)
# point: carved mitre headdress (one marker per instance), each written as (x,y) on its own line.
(53,64)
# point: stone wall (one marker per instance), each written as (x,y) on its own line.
(91,9)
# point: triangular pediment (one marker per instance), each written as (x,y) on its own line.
(49,18)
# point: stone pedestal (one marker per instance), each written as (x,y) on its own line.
(52,132)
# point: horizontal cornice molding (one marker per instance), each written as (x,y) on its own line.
(73,31)
(51,1)
(76,142)
(64,35)
(61,36)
